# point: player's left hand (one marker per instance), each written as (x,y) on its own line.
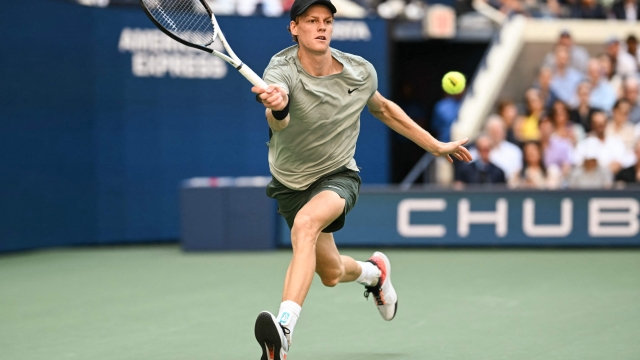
(456,149)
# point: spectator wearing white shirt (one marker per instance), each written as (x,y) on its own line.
(610,150)
(504,154)
(589,174)
(620,126)
(624,64)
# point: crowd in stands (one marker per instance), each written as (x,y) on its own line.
(577,127)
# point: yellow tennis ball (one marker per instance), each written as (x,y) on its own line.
(453,82)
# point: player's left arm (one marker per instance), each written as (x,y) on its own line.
(395,118)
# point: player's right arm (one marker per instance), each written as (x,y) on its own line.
(274,98)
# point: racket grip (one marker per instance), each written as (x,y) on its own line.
(252,76)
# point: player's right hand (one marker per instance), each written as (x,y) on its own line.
(273,97)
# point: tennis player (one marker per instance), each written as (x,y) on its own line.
(313,105)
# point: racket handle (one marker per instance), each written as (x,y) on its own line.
(252,76)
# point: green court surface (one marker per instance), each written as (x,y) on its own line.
(156,303)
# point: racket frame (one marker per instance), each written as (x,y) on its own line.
(232,59)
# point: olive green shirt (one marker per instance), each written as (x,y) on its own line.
(324,117)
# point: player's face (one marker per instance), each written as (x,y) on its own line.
(314,29)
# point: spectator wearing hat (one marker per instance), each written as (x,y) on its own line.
(632,173)
(626,10)
(589,174)
(565,79)
(623,63)
(578,55)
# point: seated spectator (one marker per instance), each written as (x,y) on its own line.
(481,170)
(632,173)
(565,79)
(632,48)
(534,174)
(527,126)
(623,63)
(610,150)
(556,150)
(631,90)
(578,54)
(587,9)
(559,116)
(589,174)
(581,114)
(602,93)
(271,8)
(508,112)
(626,10)
(543,84)
(610,77)
(620,126)
(504,154)
(445,112)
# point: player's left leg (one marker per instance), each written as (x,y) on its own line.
(374,274)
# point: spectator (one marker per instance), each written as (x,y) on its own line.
(556,150)
(632,173)
(565,129)
(610,150)
(508,112)
(626,10)
(581,114)
(578,55)
(589,174)
(534,174)
(527,126)
(565,79)
(603,96)
(543,84)
(504,154)
(632,49)
(610,77)
(623,63)
(587,9)
(631,87)
(270,8)
(482,170)
(620,126)
(445,112)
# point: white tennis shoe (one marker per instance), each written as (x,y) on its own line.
(272,337)
(384,293)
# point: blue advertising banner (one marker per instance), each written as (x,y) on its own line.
(490,218)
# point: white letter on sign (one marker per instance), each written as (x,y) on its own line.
(405,207)
(529,220)
(626,218)
(466,217)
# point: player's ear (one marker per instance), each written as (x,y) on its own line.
(293,26)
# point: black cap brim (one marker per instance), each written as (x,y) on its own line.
(304,5)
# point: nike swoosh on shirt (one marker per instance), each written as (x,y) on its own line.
(350,91)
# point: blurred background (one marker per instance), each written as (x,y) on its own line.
(113,134)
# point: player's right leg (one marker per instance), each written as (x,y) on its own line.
(274,333)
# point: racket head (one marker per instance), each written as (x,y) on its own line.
(186,21)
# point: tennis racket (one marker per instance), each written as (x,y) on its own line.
(192,23)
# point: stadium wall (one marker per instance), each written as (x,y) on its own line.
(103,116)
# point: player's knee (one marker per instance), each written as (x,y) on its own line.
(331,278)
(304,225)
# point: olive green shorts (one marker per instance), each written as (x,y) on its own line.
(344,182)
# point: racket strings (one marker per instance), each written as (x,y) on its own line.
(186,19)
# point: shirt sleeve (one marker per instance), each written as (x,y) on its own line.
(278,75)
(373,78)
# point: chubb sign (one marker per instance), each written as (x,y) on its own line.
(607,217)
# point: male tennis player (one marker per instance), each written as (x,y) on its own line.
(314,100)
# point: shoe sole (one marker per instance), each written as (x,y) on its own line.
(387,264)
(267,334)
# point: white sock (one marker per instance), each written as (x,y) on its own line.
(288,315)
(370,274)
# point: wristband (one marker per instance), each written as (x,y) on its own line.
(258,99)
(281,114)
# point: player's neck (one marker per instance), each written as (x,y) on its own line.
(319,64)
